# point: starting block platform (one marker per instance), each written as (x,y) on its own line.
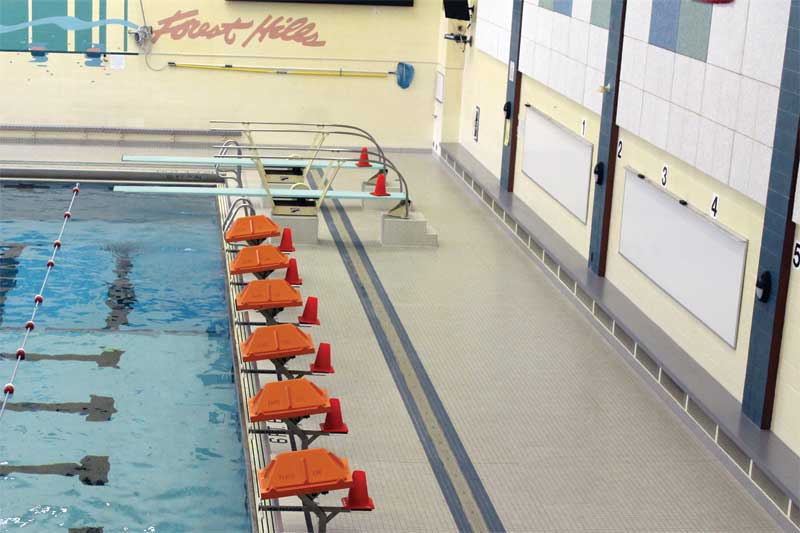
(252,229)
(304,472)
(260,261)
(301,194)
(288,399)
(281,341)
(246,162)
(269,297)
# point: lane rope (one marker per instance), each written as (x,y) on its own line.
(8,389)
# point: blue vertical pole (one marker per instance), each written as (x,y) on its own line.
(607,143)
(766,334)
(511,106)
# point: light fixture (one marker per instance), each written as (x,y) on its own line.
(764,286)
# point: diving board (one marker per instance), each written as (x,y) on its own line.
(268,162)
(311,194)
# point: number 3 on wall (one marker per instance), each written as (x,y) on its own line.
(714,206)
(664,174)
(796,255)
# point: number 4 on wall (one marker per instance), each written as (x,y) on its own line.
(714,209)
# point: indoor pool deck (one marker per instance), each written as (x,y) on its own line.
(477,394)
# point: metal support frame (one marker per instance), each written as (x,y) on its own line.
(306,436)
(323,513)
(512,104)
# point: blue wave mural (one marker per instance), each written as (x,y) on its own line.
(68,23)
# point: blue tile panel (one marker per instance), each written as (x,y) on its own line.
(509,149)
(777,234)
(606,151)
(563,6)
(601,13)
(664,20)
(694,29)
(49,35)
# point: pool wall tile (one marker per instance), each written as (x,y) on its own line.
(563,6)
(664,21)
(601,13)
(694,29)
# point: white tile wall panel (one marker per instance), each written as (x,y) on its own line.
(504,45)
(582,10)
(721,95)
(760,165)
(659,70)
(560,38)
(526,57)
(505,14)
(629,107)
(765,42)
(529,16)
(634,54)
(691,134)
(705,146)
(576,80)
(578,40)
(747,106)
(655,120)
(486,37)
(544,27)
(541,65)
(637,19)
(728,30)
(677,118)
(592,98)
(723,148)
(740,164)
(687,82)
(598,46)
(766,114)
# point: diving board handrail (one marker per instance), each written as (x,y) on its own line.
(237,172)
(319,127)
(238,204)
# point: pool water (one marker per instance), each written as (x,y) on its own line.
(141,280)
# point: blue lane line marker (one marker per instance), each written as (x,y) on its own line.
(487,509)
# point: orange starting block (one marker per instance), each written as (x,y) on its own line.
(269,297)
(254,230)
(306,474)
(290,401)
(280,344)
(260,261)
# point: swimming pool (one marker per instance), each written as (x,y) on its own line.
(135,313)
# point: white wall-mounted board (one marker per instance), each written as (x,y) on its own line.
(691,257)
(559,161)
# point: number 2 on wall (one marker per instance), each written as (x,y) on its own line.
(714,206)
(796,255)
(619,150)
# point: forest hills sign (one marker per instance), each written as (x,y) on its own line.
(186,25)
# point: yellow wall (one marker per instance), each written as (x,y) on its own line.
(736,211)
(64,91)
(483,85)
(785,418)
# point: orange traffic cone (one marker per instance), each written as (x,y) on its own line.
(322,363)
(363,160)
(333,420)
(292,274)
(309,315)
(380,186)
(358,498)
(286,241)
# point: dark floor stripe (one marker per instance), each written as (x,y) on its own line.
(481,497)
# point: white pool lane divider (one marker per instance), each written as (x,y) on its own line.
(8,389)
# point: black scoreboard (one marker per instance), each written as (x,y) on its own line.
(402,3)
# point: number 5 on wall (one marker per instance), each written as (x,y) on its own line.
(796,255)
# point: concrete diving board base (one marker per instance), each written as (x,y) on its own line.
(312,194)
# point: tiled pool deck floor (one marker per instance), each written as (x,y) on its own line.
(562,434)
(558,432)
